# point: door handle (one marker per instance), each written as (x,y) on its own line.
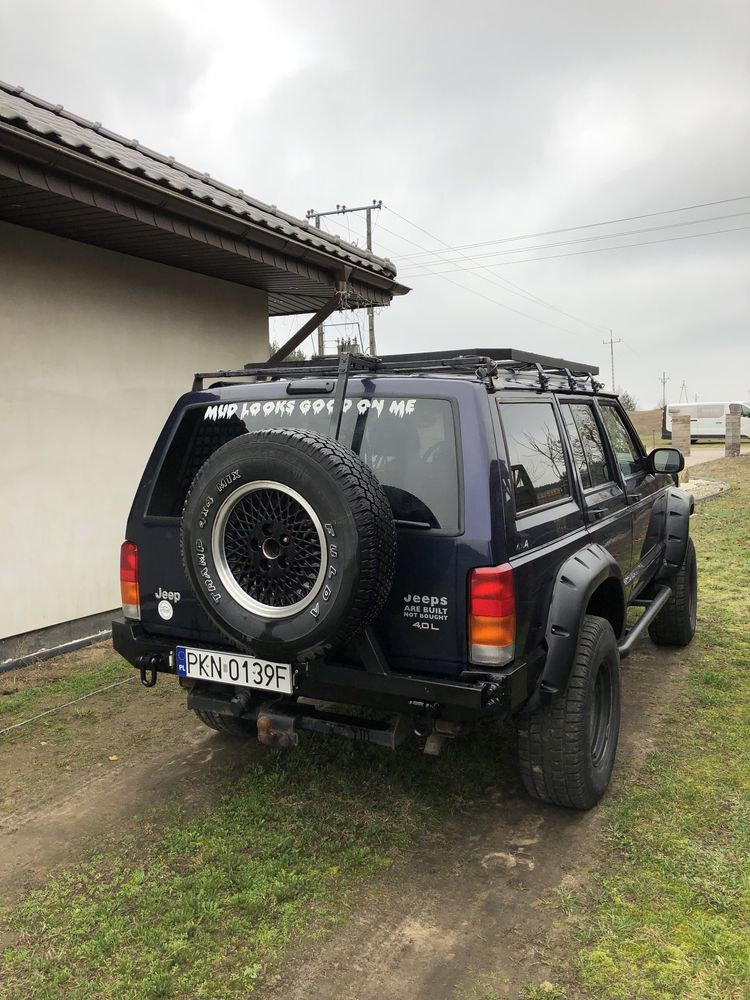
(597,512)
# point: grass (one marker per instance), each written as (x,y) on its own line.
(203,907)
(670,915)
(18,701)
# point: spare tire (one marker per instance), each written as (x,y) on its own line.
(288,542)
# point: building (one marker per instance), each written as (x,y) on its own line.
(122,273)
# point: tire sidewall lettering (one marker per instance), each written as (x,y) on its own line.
(340,553)
(334,482)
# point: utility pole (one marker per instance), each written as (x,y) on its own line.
(612,343)
(664,379)
(683,390)
(322,327)
(370,309)
(343,210)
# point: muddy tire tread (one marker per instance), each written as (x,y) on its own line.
(552,741)
(672,626)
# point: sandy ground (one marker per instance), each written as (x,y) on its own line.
(472,912)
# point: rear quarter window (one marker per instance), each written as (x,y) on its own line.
(536,455)
(410,444)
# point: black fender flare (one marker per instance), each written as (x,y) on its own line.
(675,531)
(577,579)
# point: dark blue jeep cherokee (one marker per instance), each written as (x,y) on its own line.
(436,538)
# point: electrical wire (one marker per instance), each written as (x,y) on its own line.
(67,704)
(578,253)
(473,291)
(570,229)
(591,239)
(496,280)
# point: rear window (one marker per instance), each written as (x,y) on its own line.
(410,444)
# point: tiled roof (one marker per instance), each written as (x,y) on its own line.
(54,123)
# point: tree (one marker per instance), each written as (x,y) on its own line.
(628,401)
(296,355)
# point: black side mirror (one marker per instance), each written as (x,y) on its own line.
(667,461)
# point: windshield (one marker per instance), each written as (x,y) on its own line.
(409,443)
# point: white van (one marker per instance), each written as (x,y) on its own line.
(707,420)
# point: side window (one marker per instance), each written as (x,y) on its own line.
(628,455)
(579,454)
(710,411)
(535,454)
(598,472)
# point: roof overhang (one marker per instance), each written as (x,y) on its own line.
(48,186)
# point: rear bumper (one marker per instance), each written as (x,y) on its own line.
(469,696)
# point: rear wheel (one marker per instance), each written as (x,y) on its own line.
(675,623)
(227,724)
(567,748)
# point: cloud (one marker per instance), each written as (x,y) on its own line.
(476,121)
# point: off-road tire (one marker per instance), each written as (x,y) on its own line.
(337,524)
(675,623)
(567,748)
(227,724)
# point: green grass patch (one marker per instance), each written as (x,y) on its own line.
(203,907)
(22,701)
(671,916)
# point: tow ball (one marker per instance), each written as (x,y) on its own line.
(443,730)
(428,724)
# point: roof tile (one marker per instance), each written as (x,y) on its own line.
(51,121)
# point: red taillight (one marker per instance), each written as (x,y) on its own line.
(492,615)
(131,601)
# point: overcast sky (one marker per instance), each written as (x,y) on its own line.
(476,121)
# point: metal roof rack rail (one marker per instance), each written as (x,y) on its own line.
(486,365)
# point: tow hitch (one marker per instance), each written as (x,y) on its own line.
(149,664)
(279,725)
(147,667)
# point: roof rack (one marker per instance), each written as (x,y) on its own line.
(507,368)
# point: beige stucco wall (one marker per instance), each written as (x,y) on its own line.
(95,347)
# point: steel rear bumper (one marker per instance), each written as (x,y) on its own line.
(468,696)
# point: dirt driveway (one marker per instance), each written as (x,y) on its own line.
(700,454)
(439,924)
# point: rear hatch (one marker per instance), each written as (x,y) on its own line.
(416,441)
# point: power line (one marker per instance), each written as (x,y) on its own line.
(66,704)
(578,253)
(592,239)
(513,288)
(588,225)
(466,288)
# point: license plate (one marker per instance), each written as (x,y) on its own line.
(234,668)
